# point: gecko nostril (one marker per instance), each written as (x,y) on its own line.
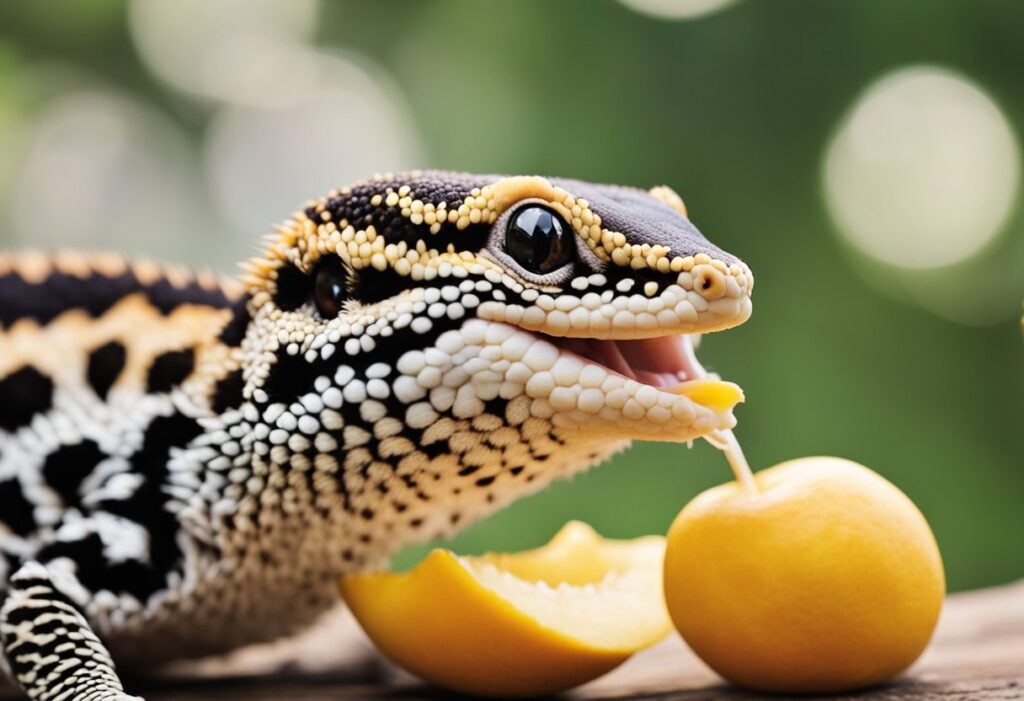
(708,281)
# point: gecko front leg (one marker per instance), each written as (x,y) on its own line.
(48,645)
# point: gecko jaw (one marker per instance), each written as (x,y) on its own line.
(635,389)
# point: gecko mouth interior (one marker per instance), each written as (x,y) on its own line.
(662,361)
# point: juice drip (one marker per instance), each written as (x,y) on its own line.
(726,442)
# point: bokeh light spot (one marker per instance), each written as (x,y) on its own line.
(103,171)
(677,9)
(193,45)
(263,162)
(923,171)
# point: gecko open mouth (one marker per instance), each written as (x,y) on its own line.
(655,385)
(662,362)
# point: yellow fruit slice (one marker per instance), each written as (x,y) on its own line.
(820,576)
(713,394)
(524,624)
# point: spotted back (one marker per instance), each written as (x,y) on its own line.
(92,351)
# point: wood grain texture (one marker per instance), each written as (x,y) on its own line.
(977,654)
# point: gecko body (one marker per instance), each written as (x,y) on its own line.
(188,464)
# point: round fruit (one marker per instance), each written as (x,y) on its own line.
(524,624)
(821,577)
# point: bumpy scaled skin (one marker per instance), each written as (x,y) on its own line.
(187,465)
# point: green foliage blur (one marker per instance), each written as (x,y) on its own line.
(734,111)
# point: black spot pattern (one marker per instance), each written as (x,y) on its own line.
(91,566)
(94,294)
(227,394)
(293,288)
(234,331)
(23,394)
(44,300)
(15,510)
(170,369)
(66,468)
(428,186)
(146,506)
(291,376)
(377,285)
(167,297)
(104,366)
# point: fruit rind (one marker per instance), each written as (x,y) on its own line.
(444,624)
(783,588)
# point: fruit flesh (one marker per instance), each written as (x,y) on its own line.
(528,624)
(575,582)
(713,394)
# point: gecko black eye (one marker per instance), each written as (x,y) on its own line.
(329,290)
(539,240)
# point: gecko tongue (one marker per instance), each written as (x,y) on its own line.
(661,362)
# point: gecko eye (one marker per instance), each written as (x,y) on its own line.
(539,240)
(329,290)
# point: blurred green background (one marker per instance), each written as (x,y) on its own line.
(863,157)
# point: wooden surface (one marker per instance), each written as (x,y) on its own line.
(977,653)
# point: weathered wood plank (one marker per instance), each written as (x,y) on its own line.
(977,654)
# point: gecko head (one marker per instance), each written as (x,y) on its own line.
(442,335)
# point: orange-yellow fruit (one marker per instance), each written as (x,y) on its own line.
(524,624)
(713,394)
(825,578)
